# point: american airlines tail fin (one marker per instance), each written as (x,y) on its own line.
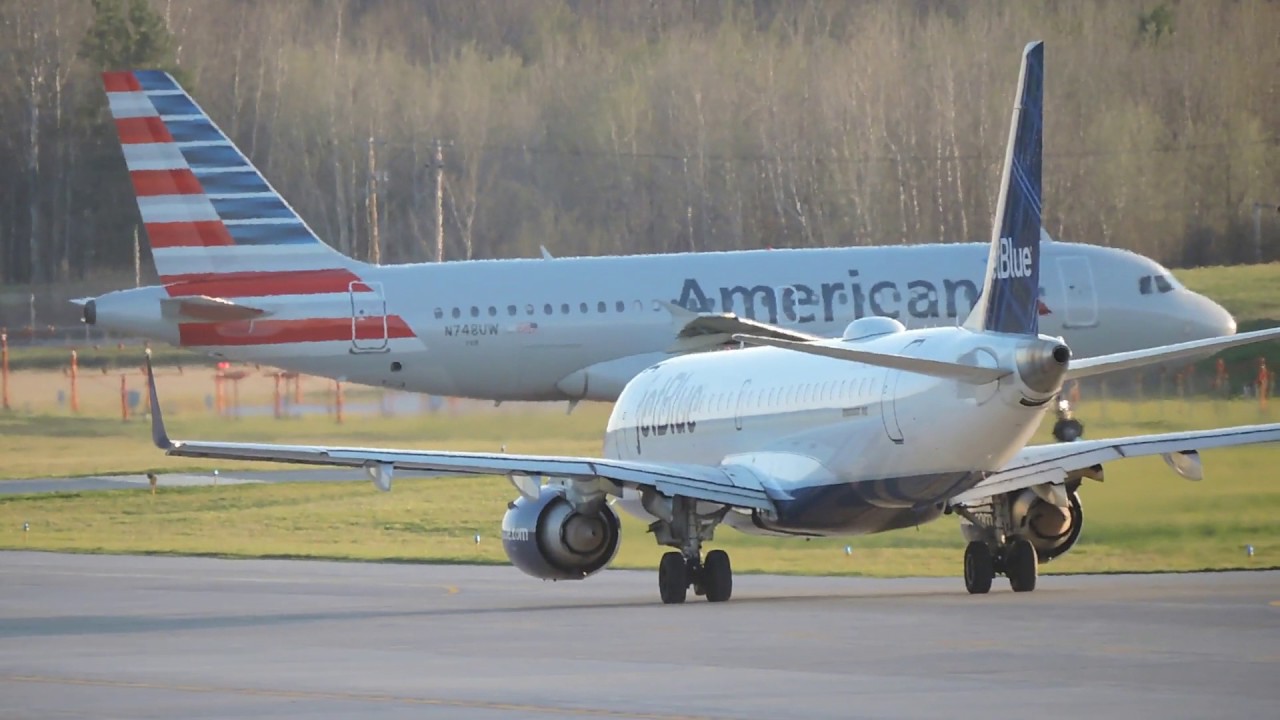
(209,213)
(1009,301)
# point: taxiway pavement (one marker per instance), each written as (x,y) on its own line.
(159,637)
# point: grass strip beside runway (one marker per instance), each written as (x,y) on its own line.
(1143,518)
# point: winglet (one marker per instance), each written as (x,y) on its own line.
(158,434)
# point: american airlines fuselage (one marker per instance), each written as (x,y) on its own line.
(580,328)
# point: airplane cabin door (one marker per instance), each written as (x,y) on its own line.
(368,317)
(889,400)
(1078,292)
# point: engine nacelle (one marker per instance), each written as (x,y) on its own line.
(1050,528)
(547,538)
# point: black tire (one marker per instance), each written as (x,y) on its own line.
(673,578)
(717,576)
(1021,566)
(979,568)
(1068,430)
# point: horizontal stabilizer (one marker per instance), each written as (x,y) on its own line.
(936,368)
(703,331)
(203,308)
(1181,351)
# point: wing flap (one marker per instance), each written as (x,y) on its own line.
(1040,464)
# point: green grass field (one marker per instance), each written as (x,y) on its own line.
(1248,291)
(1143,518)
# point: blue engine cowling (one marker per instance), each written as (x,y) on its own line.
(548,539)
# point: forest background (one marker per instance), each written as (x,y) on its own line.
(619,126)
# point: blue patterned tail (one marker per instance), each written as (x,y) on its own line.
(1011,296)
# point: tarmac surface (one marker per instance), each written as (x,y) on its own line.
(85,636)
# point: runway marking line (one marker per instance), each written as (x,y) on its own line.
(350,697)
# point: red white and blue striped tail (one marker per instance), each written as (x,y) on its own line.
(209,213)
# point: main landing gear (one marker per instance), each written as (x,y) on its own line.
(1016,560)
(712,577)
(996,548)
(684,528)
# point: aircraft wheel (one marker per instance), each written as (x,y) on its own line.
(1020,565)
(1068,430)
(673,578)
(979,568)
(717,576)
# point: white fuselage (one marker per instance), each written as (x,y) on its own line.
(843,447)
(576,328)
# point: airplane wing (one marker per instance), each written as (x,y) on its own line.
(726,485)
(1039,464)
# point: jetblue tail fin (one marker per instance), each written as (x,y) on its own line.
(208,211)
(1009,302)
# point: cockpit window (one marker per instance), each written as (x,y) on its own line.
(1144,285)
(1163,284)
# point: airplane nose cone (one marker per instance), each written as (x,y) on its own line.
(1207,319)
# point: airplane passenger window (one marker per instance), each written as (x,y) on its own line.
(457,313)
(639,306)
(511,310)
(602,307)
(475,311)
(493,311)
(583,308)
(1163,284)
(547,309)
(620,306)
(1144,285)
(528,309)
(439,313)
(564,308)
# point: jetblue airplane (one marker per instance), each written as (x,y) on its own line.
(880,429)
(244,278)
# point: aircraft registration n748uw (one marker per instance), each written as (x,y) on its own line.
(245,278)
(883,428)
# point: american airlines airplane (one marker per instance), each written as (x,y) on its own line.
(880,429)
(244,278)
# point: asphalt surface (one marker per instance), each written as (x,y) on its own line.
(86,636)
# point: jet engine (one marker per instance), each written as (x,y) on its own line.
(1052,529)
(548,538)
